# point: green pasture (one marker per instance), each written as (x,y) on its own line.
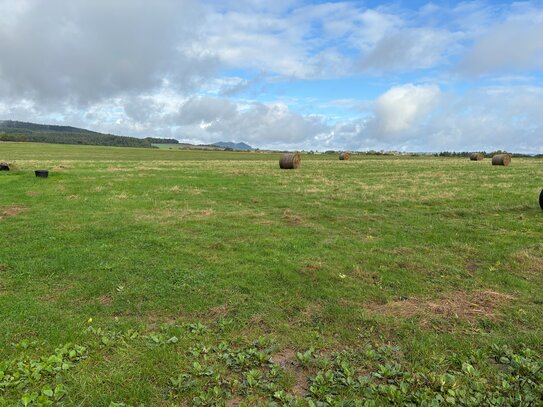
(374,281)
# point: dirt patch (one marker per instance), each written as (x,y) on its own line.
(32,193)
(460,305)
(218,312)
(313,266)
(471,265)
(10,211)
(206,213)
(105,300)
(287,360)
(55,294)
(234,402)
(291,218)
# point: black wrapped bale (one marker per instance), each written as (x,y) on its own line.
(541,199)
(4,167)
(290,161)
(501,159)
(41,173)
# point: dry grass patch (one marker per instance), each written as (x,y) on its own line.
(530,260)
(468,306)
(105,300)
(9,211)
(291,218)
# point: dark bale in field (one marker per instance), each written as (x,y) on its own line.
(4,167)
(476,157)
(290,161)
(541,199)
(345,156)
(501,159)
(42,173)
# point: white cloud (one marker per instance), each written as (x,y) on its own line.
(402,107)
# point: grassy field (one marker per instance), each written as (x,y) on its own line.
(158,277)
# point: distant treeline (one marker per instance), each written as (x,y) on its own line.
(441,154)
(487,155)
(154,140)
(43,133)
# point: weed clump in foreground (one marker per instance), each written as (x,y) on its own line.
(212,371)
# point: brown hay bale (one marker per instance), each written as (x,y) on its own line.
(476,157)
(4,167)
(289,161)
(501,159)
(345,156)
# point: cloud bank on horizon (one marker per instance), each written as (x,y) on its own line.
(293,74)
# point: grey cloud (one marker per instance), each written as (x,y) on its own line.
(205,110)
(257,122)
(516,44)
(88,50)
(408,49)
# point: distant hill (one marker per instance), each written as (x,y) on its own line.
(234,146)
(46,133)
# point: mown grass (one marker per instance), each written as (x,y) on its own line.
(439,258)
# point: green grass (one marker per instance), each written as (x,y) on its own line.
(439,257)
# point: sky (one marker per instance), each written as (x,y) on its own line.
(282,74)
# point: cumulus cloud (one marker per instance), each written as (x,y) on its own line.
(401,107)
(265,125)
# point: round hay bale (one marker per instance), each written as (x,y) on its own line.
(345,156)
(501,159)
(476,157)
(4,167)
(289,161)
(541,199)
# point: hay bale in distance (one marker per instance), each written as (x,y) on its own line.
(501,159)
(290,161)
(541,199)
(345,156)
(476,157)
(4,167)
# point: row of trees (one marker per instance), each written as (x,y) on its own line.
(487,155)
(95,139)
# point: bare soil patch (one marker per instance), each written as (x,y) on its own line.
(287,360)
(10,211)
(218,311)
(105,300)
(460,304)
(291,218)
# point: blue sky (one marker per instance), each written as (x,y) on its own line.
(409,76)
